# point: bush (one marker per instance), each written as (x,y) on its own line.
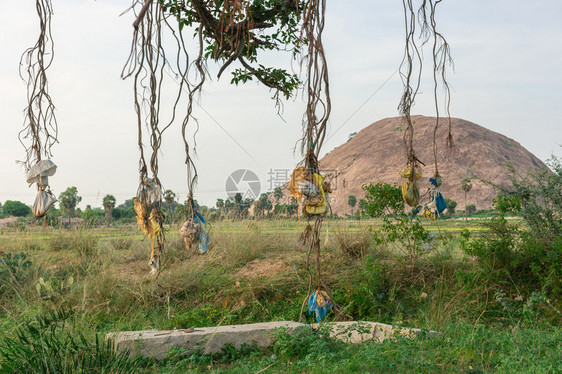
(497,248)
(385,201)
(537,198)
(451,206)
(53,344)
(15,269)
(303,342)
(529,259)
(15,208)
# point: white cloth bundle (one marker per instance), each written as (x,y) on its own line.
(39,172)
(43,202)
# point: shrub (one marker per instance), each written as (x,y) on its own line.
(531,257)
(385,201)
(451,206)
(537,198)
(15,208)
(53,344)
(15,269)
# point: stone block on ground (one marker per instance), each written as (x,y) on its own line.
(156,343)
(361,331)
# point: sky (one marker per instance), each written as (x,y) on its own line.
(507,55)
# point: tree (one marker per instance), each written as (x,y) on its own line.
(262,205)
(277,194)
(89,214)
(238,198)
(237,32)
(466,186)
(238,202)
(451,205)
(220,206)
(127,204)
(229,205)
(108,205)
(15,208)
(351,201)
(470,209)
(362,207)
(68,201)
(170,199)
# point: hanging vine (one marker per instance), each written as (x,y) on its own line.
(148,64)
(40,126)
(225,32)
(40,130)
(411,72)
(307,181)
(441,56)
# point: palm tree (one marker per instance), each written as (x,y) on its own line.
(263,204)
(220,206)
(277,194)
(466,186)
(351,201)
(108,205)
(169,198)
(68,201)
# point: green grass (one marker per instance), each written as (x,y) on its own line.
(460,348)
(254,272)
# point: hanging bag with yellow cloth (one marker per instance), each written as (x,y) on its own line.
(310,189)
(410,190)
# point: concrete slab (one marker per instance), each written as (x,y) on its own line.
(361,331)
(349,331)
(155,343)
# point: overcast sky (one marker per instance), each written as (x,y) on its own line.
(507,78)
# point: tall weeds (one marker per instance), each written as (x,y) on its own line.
(52,343)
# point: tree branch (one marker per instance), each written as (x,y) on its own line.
(260,78)
(141,14)
(205,16)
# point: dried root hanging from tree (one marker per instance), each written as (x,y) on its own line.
(226,32)
(40,130)
(149,65)
(314,132)
(441,56)
(146,63)
(411,72)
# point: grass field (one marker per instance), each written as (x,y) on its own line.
(255,271)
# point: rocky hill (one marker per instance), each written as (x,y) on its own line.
(377,153)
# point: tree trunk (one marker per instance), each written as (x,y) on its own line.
(465,216)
